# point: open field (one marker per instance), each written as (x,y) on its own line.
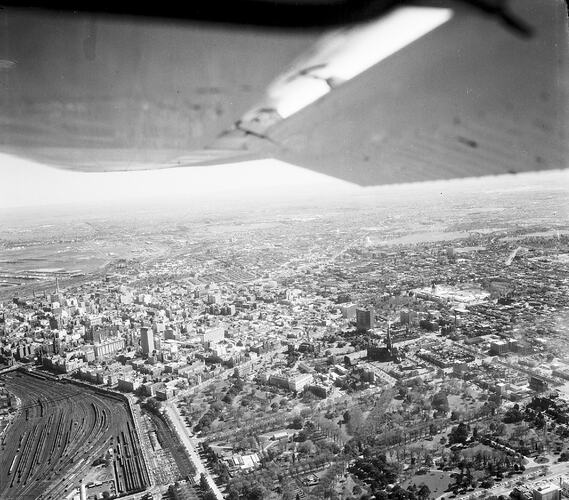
(60,430)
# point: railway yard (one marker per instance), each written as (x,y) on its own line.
(60,430)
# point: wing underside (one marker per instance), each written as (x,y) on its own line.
(469,98)
(417,94)
(93,92)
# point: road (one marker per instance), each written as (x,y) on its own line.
(178,424)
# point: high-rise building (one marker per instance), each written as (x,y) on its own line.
(365,319)
(147,340)
(348,311)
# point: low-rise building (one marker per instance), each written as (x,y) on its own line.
(546,491)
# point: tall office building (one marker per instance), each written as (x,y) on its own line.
(147,340)
(348,311)
(365,319)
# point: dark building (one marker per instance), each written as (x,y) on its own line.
(365,319)
(537,384)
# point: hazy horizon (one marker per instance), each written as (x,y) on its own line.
(31,188)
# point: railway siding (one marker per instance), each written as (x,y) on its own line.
(61,429)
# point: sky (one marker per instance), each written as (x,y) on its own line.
(28,184)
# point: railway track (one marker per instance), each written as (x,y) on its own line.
(60,430)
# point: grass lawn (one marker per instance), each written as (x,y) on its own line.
(437,481)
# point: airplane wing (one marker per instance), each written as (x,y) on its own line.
(95,92)
(468,99)
(416,93)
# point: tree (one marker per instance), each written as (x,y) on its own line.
(356,420)
(204,485)
(232,494)
(398,493)
(495,399)
(287,488)
(238,384)
(153,405)
(307,447)
(217,406)
(487,484)
(440,402)
(375,470)
(539,421)
(302,436)
(248,443)
(297,422)
(256,493)
(182,384)
(459,434)
(500,429)
(513,415)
